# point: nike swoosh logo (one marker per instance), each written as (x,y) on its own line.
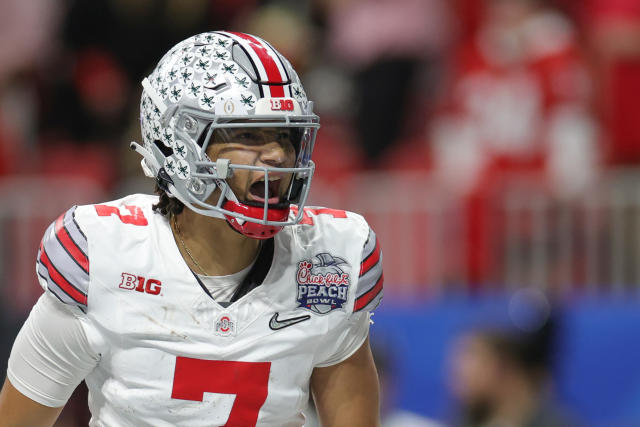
(276,323)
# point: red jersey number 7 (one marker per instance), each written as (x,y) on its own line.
(248,381)
(307,212)
(135,217)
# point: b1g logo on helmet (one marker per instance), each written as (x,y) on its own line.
(282,104)
(323,285)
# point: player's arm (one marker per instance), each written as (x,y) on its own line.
(49,358)
(345,383)
(51,353)
(17,410)
(347,394)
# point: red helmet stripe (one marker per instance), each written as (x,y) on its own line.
(273,72)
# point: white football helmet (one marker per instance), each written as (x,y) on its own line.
(215,81)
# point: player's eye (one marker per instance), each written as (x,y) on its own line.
(249,136)
(246,137)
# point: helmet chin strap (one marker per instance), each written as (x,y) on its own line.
(226,193)
(207,212)
(223,171)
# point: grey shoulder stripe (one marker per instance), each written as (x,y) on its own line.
(375,302)
(56,290)
(74,230)
(369,280)
(369,245)
(66,264)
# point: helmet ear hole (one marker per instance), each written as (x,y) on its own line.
(166,151)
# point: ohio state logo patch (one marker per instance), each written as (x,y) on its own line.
(323,285)
(225,325)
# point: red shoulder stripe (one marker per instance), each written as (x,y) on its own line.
(371,260)
(63,283)
(70,246)
(366,298)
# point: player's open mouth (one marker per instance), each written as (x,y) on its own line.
(257,190)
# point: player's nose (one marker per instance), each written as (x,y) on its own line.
(275,154)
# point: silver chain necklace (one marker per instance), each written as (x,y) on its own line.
(184,246)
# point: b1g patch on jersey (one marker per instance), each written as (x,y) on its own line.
(323,285)
(138,283)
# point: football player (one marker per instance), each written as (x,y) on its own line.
(224,300)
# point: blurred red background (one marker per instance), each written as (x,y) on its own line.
(494,145)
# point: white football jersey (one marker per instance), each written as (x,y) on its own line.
(170,355)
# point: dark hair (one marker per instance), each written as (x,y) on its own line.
(167,206)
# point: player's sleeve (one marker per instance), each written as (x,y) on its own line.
(62,264)
(51,354)
(346,339)
(369,293)
(369,289)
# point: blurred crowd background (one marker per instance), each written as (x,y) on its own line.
(494,145)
